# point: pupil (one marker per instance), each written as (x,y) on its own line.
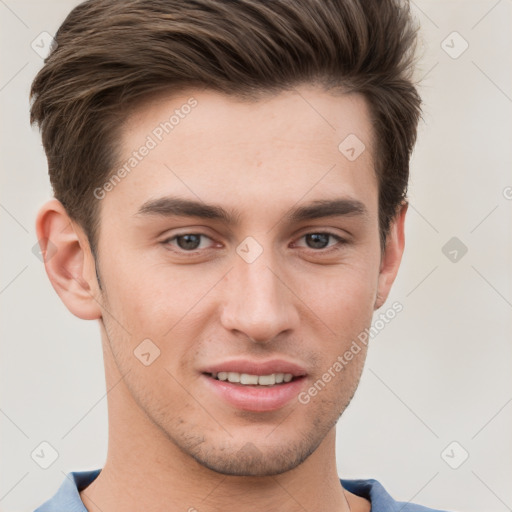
(190,241)
(320,240)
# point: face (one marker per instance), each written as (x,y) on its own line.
(239,258)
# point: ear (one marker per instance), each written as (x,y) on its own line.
(68,261)
(391,256)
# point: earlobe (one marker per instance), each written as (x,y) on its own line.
(392,256)
(68,261)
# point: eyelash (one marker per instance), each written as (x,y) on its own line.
(340,241)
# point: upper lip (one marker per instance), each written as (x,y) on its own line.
(257,367)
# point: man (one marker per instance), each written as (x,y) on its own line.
(230,184)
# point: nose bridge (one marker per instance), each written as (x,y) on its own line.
(257,302)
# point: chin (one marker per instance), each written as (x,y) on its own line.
(253,461)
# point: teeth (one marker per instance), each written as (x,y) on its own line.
(267,380)
(233,377)
(245,378)
(248,379)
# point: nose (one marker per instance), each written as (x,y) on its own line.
(258,300)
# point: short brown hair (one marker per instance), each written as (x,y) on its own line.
(110,55)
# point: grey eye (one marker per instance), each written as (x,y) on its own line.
(318,240)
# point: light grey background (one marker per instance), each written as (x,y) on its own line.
(439,372)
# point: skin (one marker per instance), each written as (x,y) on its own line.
(172,441)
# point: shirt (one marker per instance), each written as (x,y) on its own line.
(67,498)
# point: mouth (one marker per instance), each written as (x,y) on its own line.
(255,386)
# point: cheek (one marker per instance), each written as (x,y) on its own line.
(153,297)
(344,296)
(160,304)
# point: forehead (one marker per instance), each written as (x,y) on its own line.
(301,144)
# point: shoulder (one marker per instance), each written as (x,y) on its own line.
(381,500)
(67,497)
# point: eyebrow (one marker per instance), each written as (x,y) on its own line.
(179,207)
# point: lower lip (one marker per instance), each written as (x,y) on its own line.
(256,399)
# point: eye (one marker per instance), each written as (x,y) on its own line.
(187,241)
(321,240)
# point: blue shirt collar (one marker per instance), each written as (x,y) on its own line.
(67,498)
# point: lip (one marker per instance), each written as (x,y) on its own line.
(256,398)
